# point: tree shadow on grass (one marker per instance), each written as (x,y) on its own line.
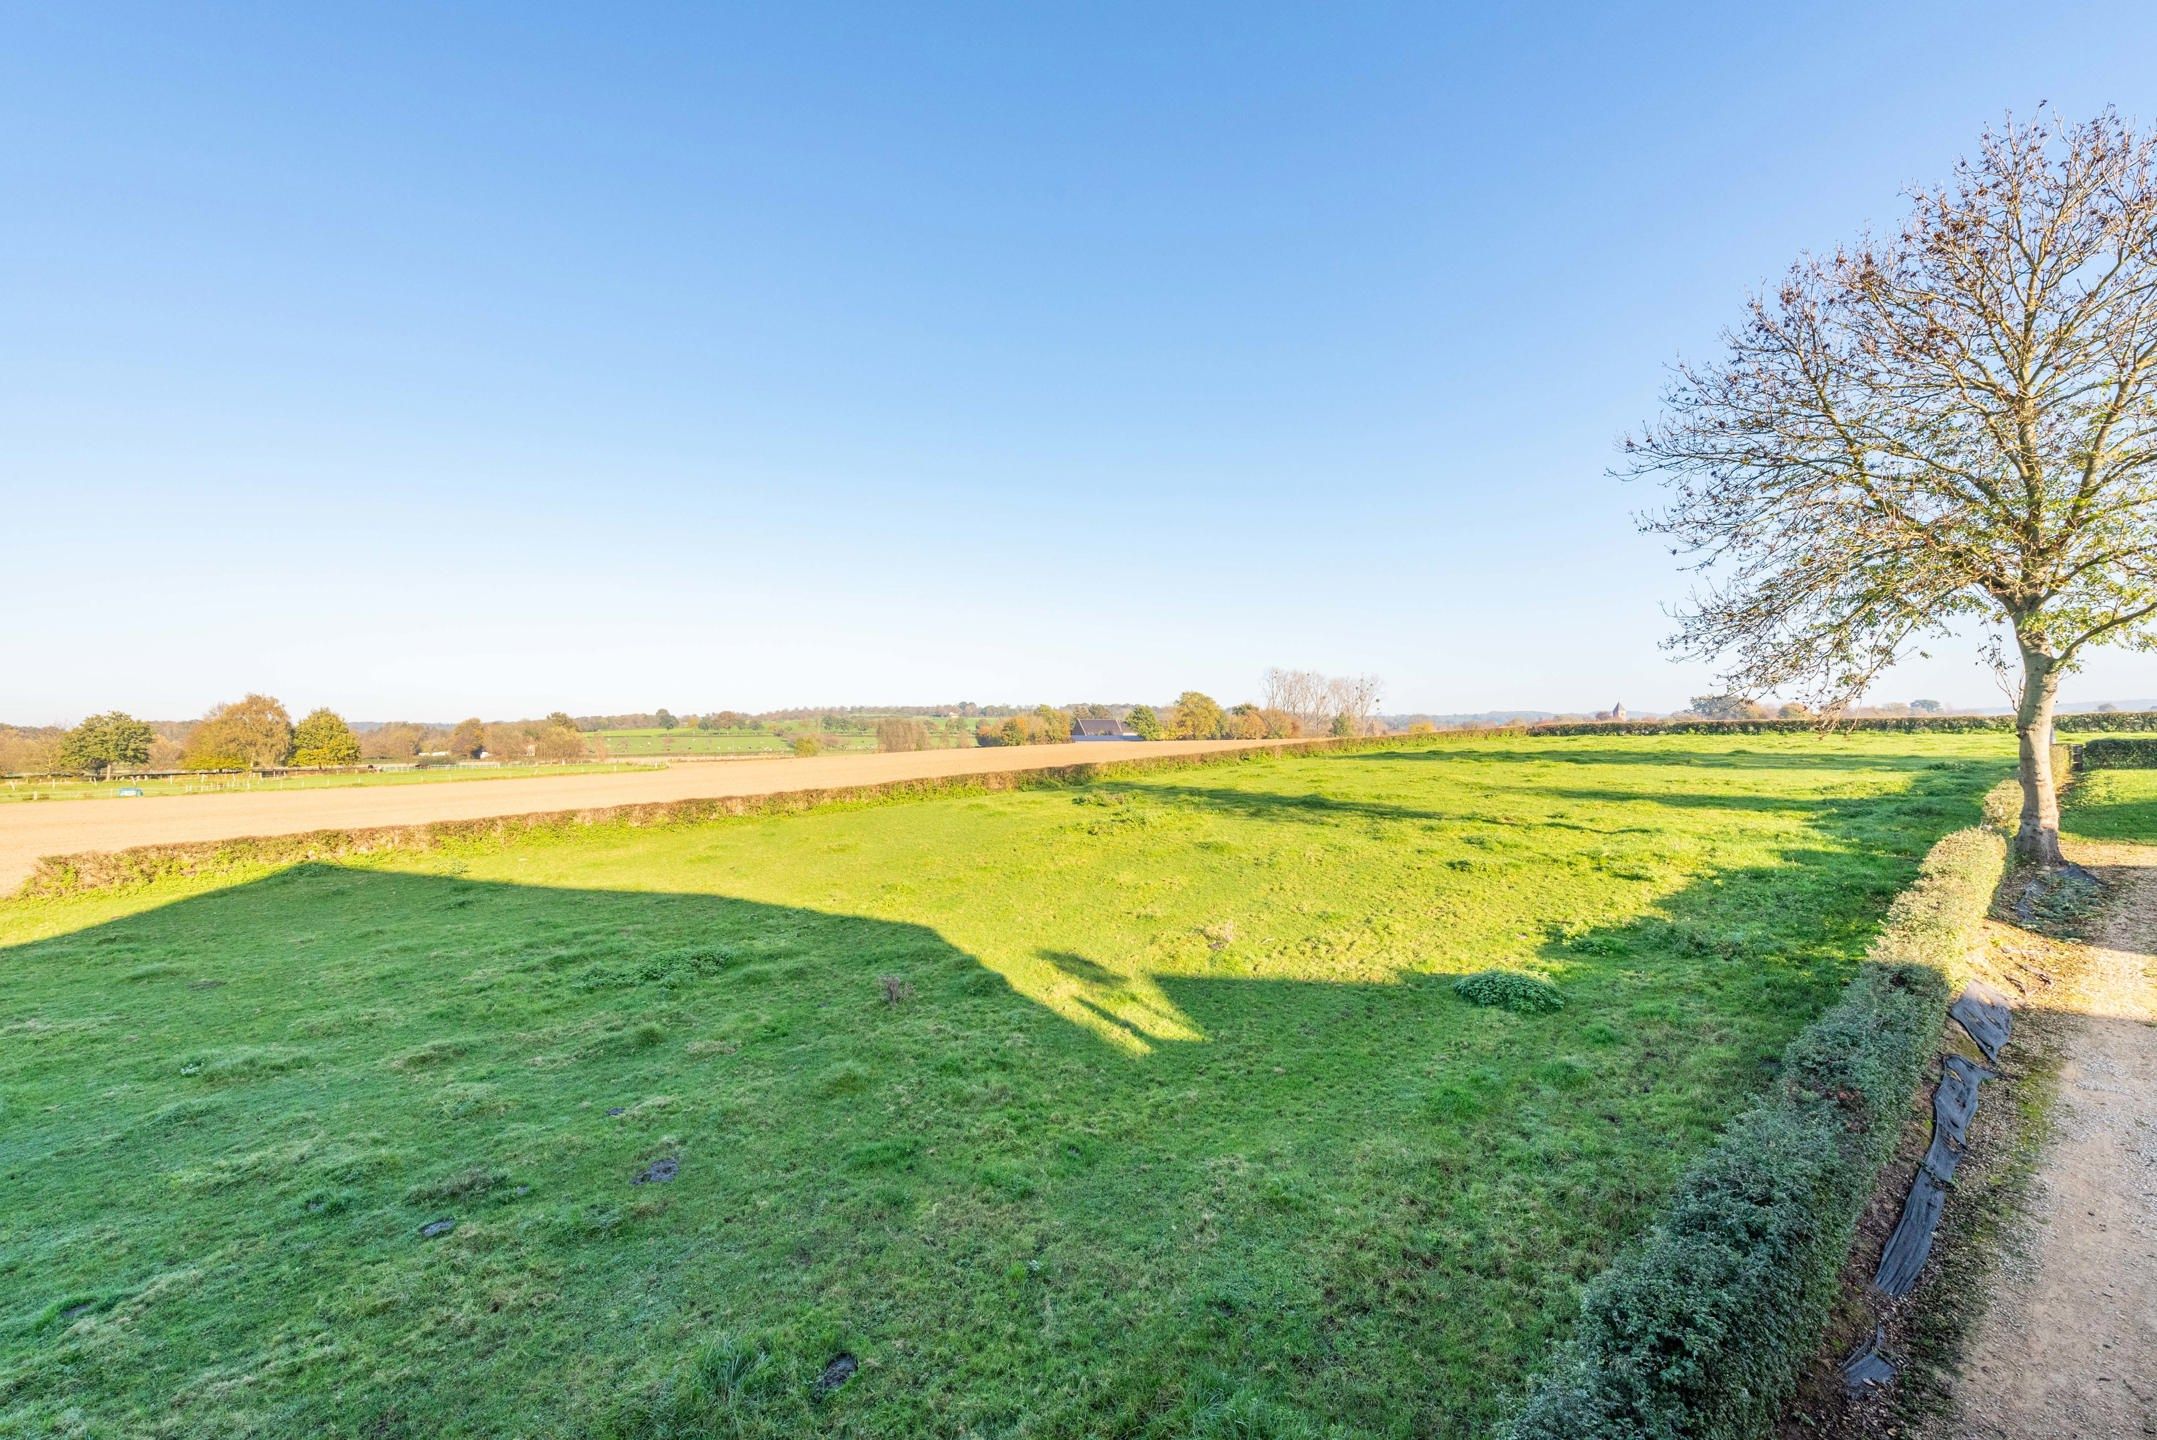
(1676,754)
(1955,790)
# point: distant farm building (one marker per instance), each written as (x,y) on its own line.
(1088,728)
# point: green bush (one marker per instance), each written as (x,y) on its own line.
(2119,754)
(104,742)
(1510,990)
(1700,1328)
(324,739)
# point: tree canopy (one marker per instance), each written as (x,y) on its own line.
(1952,423)
(1195,716)
(246,734)
(468,739)
(102,742)
(323,738)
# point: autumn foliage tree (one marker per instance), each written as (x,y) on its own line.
(559,743)
(323,738)
(468,739)
(1953,423)
(898,733)
(1195,716)
(247,734)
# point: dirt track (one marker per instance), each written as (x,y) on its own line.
(65,827)
(2068,1350)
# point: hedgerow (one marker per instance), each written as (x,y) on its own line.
(2089,723)
(1700,1328)
(2119,754)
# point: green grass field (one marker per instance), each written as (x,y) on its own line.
(2112,805)
(687,740)
(772,740)
(212,784)
(1143,1108)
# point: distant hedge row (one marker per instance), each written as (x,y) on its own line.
(1702,1327)
(2090,723)
(2119,754)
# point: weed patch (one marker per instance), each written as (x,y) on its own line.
(1510,990)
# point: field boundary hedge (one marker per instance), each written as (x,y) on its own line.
(2116,754)
(2083,723)
(101,870)
(1701,1327)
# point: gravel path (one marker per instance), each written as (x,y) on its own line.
(32,830)
(2069,1346)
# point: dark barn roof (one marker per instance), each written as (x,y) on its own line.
(1091,728)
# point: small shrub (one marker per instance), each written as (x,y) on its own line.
(1509,990)
(806,746)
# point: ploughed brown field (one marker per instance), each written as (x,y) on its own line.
(69,827)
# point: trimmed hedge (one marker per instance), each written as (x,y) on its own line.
(1702,1326)
(2090,723)
(2118,754)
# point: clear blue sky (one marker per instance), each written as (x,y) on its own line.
(430,360)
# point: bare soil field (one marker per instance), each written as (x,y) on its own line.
(68,827)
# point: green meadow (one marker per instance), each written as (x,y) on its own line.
(687,740)
(1145,1107)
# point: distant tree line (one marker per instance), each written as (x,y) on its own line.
(257,732)
(1295,703)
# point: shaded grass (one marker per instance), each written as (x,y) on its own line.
(1180,1132)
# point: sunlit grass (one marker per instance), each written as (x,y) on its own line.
(2112,805)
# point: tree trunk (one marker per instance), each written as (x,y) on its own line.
(2037,840)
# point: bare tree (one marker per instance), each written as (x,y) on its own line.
(1956,422)
(1353,699)
(1301,693)
(1318,702)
